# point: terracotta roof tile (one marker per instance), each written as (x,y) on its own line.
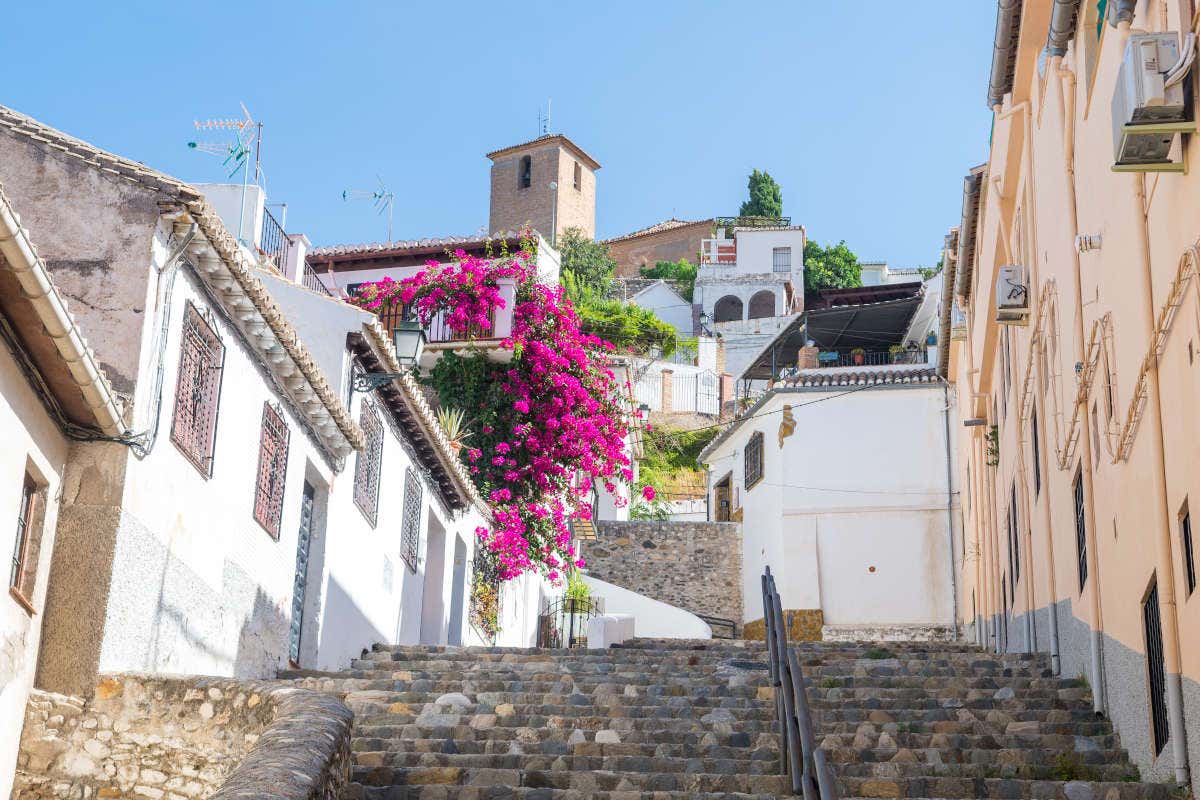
(658,227)
(389,248)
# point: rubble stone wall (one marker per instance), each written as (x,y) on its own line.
(180,738)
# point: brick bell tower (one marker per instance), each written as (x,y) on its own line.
(549,183)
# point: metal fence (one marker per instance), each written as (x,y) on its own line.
(274,242)
(565,622)
(802,759)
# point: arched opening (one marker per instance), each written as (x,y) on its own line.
(728,309)
(762,304)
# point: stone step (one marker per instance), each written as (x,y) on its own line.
(739,735)
(752,763)
(999,788)
(1014,753)
(911,770)
(731,746)
(357,791)
(590,781)
(1054,744)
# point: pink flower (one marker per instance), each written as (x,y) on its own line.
(648,492)
(521,406)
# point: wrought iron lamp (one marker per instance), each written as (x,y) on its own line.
(409,341)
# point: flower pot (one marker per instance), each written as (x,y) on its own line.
(858,358)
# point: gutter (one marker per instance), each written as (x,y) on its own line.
(1063,20)
(972,185)
(1121,11)
(1004,50)
(52,310)
(949,271)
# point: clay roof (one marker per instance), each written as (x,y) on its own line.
(411,246)
(548,138)
(658,227)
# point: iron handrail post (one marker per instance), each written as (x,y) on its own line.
(825,782)
(795,741)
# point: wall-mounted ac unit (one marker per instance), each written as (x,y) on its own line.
(1012,296)
(1151,102)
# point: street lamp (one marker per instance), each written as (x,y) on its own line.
(409,341)
(554,213)
(704,320)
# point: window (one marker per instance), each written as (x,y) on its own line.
(1095,436)
(1080,531)
(1109,402)
(197,391)
(525,172)
(781,259)
(367,463)
(28,544)
(1004,377)
(1155,669)
(1037,455)
(410,532)
(754,459)
(578,176)
(1014,539)
(1189,558)
(272,470)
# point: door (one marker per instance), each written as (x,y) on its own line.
(301,581)
(456,595)
(432,605)
(722,498)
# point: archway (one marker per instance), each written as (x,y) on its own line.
(762,304)
(728,309)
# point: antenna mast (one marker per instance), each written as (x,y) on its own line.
(381,200)
(246,133)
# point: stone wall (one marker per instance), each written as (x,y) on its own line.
(696,566)
(181,738)
(635,252)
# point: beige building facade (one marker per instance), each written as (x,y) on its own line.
(1073,318)
(548,183)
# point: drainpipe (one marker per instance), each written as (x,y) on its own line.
(1165,567)
(982,581)
(950,509)
(989,480)
(1067,104)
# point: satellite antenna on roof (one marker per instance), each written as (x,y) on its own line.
(245,134)
(381,200)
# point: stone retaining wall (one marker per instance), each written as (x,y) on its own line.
(696,566)
(179,738)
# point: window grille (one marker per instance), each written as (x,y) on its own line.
(272,470)
(367,463)
(24,562)
(1156,669)
(781,259)
(410,532)
(1189,558)
(198,391)
(1080,531)
(1014,539)
(525,172)
(1037,456)
(754,459)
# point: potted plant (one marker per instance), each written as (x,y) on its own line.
(858,355)
(453,422)
(897,353)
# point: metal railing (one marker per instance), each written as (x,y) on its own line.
(871,358)
(273,243)
(802,759)
(313,282)
(721,627)
(752,222)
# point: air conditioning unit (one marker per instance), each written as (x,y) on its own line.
(1012,296)
(1151,102)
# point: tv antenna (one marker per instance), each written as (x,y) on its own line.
(381,200)
(544,122)
(245,135)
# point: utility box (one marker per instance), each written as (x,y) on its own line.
(1151,103)
(1012,296)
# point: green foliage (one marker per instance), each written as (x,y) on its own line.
(833,266)
(766,198)
(682,271)
(587,260)
(577,588)
(878,654)
(628,327)
(669,463)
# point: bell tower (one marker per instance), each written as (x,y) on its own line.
(549,183)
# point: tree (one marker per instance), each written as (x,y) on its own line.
(586,259)
(683,272)
(833,266)
(627,326)
(766,198)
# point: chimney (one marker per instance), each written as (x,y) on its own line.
(668,390)
(293,263)
(807,358)
(720,367)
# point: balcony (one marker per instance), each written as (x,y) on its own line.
(832,359)
(441,338)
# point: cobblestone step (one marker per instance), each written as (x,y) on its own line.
(584,781)
(764,763)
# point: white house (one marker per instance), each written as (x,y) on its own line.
(663,299)
(862,545)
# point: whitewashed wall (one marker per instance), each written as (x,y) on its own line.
(668,306)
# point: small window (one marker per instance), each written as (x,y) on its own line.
(754,460)
(367,463)
(197,391)
(1014,538)
(525,172)
(28,544)
(272,470)
(781,259)
(578,176)
(1155,669)
(1037,455)
(410,533)
(1189,558)
(1109,400)
(1080,532)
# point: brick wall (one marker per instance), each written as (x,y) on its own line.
(670,245)
(513,206)
(696,566)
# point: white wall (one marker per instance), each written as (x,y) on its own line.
(235,205)
(861,483)
(32,444)
(755,247)
(652,618)
(668,306)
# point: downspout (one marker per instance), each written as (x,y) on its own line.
(989,480)
(1067,91)
(950,508)
(981,541)
(1165,568)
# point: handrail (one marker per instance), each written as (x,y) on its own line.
(719,622)
(803,760)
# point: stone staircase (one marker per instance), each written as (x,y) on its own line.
(658,720)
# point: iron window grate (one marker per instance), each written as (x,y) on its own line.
(368,462)
(754,459)
(1080,531)
(1156,669)
(24,565)
(1037,456)
(198,391)
(781,259)
(1189,556)
(272,470)
(410,531)
(1014,539)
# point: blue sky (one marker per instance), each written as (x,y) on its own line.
(866,115)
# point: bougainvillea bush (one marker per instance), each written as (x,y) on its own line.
(544,425)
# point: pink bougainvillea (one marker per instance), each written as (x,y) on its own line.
(546,424)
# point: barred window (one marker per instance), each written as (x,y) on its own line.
(781,259)
(28,544)
(754,459)
(410,532)
(1080,532)
(272,470)
(197,391)
(367,463)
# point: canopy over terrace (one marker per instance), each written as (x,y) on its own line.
(867,317)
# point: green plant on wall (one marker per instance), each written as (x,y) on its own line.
(993,446)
